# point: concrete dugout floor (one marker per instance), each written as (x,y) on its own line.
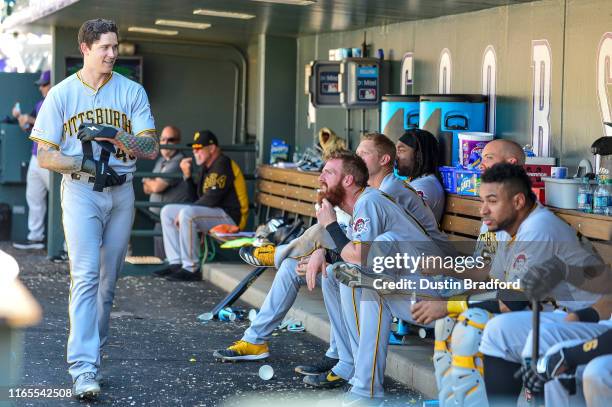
(158,353)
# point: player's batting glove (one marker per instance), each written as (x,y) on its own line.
(532,380)
(540,279)
(90,131)
(553,364)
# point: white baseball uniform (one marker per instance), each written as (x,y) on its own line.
(431,189)
(541,235)
(96,224)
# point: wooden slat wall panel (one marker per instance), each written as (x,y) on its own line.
(299,193)
(590,227)
(289,205)
(310,180)
(458,224)
(463,206)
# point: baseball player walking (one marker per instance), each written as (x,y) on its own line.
(91,128)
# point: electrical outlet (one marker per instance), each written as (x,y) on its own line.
(19,210)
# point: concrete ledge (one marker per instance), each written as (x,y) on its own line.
(410,364)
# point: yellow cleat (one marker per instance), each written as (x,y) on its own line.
(258,256)
(243,350)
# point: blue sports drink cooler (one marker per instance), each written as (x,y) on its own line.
(445,116)
(397,114)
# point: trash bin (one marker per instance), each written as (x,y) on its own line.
(445,116)
(397,114)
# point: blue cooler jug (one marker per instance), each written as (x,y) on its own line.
(397,114)
(445,116)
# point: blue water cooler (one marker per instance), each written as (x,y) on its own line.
(445,116)
(397,114)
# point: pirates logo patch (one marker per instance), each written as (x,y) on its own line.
(361,225)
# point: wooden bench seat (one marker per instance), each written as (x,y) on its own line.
(461,221)
(286,191)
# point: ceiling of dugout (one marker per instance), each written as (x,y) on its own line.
(270,18)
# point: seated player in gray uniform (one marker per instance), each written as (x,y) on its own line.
(222,199)
(417,159)
(375,216)
(509,205)
(169,190)
(446,313)
(291,260)
(378,153)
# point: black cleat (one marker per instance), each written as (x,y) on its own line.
(325,380)
(185,275)
(172,268)
(322,366)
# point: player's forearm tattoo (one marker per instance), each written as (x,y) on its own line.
(144,145)
(52,159)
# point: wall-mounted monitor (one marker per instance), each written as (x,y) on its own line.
(130,67)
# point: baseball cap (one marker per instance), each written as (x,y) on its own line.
(45,78)
(203,138)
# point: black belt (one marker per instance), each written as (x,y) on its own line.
(91,180)
(78,177)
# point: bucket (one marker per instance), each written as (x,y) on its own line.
(445,116)
(471,145)
(562,193)
(398,113)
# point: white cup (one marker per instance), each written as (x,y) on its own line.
(266,372)
(207,316)
(558,172)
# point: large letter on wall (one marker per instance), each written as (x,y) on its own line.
(406,80)
(446,72)
(604,79)
(542,72)
(489,74)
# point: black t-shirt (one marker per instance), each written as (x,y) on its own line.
(223,186)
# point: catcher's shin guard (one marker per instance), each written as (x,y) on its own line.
(442,356)
(466,376)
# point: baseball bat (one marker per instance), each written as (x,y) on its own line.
(537,399)
(246,282)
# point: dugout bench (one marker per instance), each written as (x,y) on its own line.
(282,192)
(461,221)
(292,194)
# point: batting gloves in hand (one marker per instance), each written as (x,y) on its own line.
(542,278)
(90,131)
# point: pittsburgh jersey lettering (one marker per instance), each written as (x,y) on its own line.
(103,116)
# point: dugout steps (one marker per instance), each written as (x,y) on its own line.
(410,364)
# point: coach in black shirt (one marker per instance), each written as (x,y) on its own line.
(222,198)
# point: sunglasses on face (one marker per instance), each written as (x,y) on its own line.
(169,140)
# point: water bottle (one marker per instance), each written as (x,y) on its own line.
(601,198)
(296,154)
(585,196)
(609,189)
